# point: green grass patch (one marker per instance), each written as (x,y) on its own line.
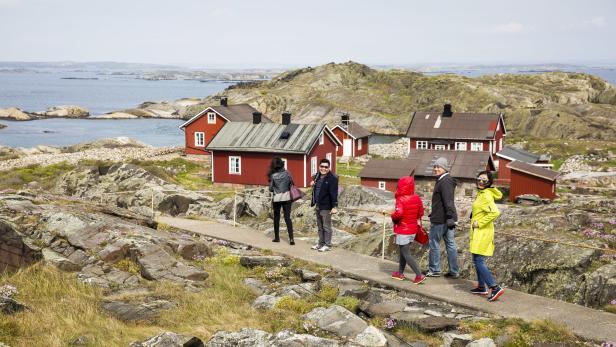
(348,302)
(522,333)
(44,175)
(188,174)
(610,308)
(128,265)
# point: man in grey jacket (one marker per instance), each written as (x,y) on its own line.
(443,221)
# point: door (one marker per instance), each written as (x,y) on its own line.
(347,147)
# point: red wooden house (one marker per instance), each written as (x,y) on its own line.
(510,154)
(354,138)
(385,173)
(531,179)
(203,127)
(457,131)
(242,152)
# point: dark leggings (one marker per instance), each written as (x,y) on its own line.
(286,207)
(407,258)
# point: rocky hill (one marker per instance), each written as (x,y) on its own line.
(554,105)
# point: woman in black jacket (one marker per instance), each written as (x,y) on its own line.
(280,181)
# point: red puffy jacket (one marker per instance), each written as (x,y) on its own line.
(409,208)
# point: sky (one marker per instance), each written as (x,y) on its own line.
(272,33)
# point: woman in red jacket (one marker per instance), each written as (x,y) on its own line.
(407,219)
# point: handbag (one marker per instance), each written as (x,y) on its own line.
(295,193)
(422,236)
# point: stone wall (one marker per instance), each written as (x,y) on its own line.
(396,149)
(14,253)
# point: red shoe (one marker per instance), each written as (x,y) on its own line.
(419,279)
(398,276)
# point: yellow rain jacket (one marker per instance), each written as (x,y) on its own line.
(484,212)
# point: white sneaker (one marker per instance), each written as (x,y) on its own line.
(315,247)
(324,249)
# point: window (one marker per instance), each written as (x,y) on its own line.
(460,146)
(440,147)
(235,165)
(211,118)
(322,139)
(313,165)
(500,144)
(359,144)
(476,146)
(200,139)
(328,156)
(422,145)
(284,160)
(382,185)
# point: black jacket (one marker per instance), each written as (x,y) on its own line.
(328,195)
(443,206)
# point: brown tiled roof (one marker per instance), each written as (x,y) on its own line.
(233,113)
(462,164)
(238,113)
(356,130)
(468,126)
(533,170)
(386,169)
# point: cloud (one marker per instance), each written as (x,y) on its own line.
(511,28)
(9,3)
(597,22)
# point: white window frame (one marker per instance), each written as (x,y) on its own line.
(284,160)
(440,147)
(359,144)
(322,139)
(211,118)
(328,156)
(197,142)
(421,145)
(239,165)
(382,185)
(500,144)
(313,166)
(463,146)
(476,146)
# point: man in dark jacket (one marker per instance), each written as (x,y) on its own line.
(325,199)
(443,221)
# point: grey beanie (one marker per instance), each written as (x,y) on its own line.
(442,162)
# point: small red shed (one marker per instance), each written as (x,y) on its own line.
(242,152)
(354,138)
(203,127)
(509,154)
(531,179)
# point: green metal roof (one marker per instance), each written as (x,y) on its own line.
(266,137)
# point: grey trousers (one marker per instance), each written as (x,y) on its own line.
(324,224)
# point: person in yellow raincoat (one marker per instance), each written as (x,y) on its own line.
(484,212)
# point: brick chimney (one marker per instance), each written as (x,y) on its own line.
(286,118)
(447,110)
(256,117)
(345,120)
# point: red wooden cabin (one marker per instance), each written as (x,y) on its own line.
(203,127)
(457,131)
(242,152)
(354,138)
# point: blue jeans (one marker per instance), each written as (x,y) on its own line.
(438,232)
(484,276)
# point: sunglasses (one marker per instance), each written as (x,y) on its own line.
(324,167)
(483,180)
